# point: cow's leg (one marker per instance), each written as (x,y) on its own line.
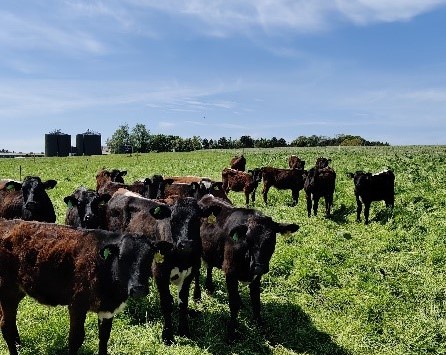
(309,204)
(104,326)
(265,190)
(77,331)
(209,283)
(328,205)
(246,197)
(197,288)
(366,212)
(8,321)
(234,306)
(253,196)
(295,195)
(166,303)
(254,292)
(183,302)
(315,204)
(358,209)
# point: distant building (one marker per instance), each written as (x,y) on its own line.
(88,143)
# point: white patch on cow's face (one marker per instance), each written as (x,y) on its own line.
(108,315)
(177,278)
(207,184)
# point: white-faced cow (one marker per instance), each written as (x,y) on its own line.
(241,242)
(85,269)
(27,200)
(373,187)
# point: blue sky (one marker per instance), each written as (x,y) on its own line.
(283,68)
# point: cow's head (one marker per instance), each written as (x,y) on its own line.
(182,229)
(256,174)
(104,176)
(322,162)
(257,239)
(37,205)
(118,175)
(129,261)
(155,186)
(360,178)
(90,207)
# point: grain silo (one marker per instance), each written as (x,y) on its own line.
(57,144)
(88,143)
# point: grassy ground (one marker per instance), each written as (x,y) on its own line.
(335,287)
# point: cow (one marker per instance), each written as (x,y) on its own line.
(86,209)
(240,242)
(153,187)
(27,200)
(322,162)
(180,261)
(282,179)
(373,187)
(85,269)
(238,163)
(194,186)
(238,181)
(103,176)
(295,163)
(319,183)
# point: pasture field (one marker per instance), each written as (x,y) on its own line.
(334,287)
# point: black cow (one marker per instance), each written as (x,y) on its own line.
(27,200)
(86,209)
(179,261)
(241,242)
(373,187)
(319,183)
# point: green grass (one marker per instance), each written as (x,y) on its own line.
(335,287)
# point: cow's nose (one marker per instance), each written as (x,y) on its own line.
(138,291)
(30,205)
(88,217)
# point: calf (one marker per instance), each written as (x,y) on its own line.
(282,179)
(85,269)
(373,187)
(240,181)
(322,162)
(179,261)
(320,183)
(27,200)
(86,209)
(240,242)
(238,163)
(151,187)
(104,176)
(295,163)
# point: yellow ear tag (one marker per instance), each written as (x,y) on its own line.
(212,219)
(159,258)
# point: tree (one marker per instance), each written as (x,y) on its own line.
(246,142)
(140,138)
(119,139)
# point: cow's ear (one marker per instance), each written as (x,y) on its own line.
(169,181)
(210,210)
(194,186)
(285,228)
(108,251)
(49,184)
(104,198)
(70,201)
(160,212)
(238,233)
(13,186)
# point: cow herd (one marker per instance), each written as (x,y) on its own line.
(119,235)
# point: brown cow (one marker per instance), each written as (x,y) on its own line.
(295,163)
(282,179)
(85,269)
(238,163)
(238,181)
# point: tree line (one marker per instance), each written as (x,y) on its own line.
(139,140)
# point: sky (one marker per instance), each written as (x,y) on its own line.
(213,68)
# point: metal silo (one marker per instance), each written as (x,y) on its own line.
(57,144)
(88,143)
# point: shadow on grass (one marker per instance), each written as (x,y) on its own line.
(341,214)
(285,326)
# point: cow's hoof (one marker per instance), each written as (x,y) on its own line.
(168,337)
